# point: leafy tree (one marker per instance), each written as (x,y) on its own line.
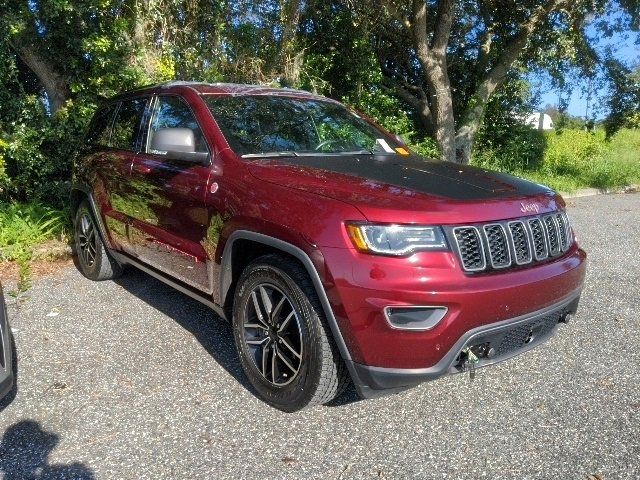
(58,57)
(447,58)
(425,69)
(624,101)
(561,119)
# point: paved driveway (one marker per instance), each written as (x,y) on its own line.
(134,380)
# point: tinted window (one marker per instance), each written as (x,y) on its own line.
(173,112)
(127,124)
(267,124)
(100,127)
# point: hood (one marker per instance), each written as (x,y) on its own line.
(383,186)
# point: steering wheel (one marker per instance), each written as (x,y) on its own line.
(326,142)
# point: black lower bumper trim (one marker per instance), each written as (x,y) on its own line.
(373,381)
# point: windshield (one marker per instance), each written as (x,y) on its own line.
(261,125)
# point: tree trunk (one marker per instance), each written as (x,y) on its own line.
(53,82)
(471,122)
(426,118)
(465,137)
(290,60)
(436,111)
(433,58)
(474,115)
(442,108)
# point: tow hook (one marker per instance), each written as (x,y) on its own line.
(566,318)
(471,356)
(470,360)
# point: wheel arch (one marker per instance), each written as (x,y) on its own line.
(80,192)
(264,244)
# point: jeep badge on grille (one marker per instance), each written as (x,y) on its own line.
(529,207)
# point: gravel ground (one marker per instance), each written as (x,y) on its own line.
(130,379)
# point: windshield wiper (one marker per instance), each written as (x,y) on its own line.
(291,153)
(271,154)
(364,151)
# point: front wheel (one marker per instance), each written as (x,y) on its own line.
(283,342)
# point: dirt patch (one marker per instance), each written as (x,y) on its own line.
(9,271)
(52,250)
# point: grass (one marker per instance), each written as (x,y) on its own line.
(24,226)
(574,159)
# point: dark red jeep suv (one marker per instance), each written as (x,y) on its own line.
(334,251)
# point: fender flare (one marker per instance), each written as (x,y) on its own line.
(300,255)
(88,195)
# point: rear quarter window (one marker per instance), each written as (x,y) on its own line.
(126,127)
(100,127)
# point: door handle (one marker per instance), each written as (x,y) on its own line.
(142,169)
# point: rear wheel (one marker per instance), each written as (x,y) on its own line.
(283,342)
(94,260)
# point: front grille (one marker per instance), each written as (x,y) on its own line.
(539,239)
(563,231)
(499,245)
(521,243)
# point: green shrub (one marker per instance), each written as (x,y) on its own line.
(22,228)
(510,148)
(3,173)
(36,154)
(427,147)
(565,160)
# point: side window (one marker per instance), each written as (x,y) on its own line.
(174,129)
(127,124)
(100,128)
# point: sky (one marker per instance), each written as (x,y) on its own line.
(625,47)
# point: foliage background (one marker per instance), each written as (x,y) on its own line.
(58,58)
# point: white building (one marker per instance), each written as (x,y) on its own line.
(539,121)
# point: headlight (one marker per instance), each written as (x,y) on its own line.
(395,239)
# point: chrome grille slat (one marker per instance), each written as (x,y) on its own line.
(470,248)
(520,242)
(562,231)
(498,245)
(551,228)
(499,252)
(538,238)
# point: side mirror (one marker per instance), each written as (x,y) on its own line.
(177,144)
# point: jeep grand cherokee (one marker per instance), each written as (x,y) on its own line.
(335,252)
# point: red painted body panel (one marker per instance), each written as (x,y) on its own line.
(179,218)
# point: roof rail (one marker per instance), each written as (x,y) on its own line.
(170,83)
(192,84)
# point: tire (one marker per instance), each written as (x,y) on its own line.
(94,260)
(308,367)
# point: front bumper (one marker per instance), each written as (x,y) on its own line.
(6,352)
(359,287)
(508,337)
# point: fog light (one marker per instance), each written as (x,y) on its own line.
(414,317)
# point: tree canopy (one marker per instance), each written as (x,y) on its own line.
(427,69)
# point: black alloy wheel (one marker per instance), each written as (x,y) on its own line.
(272,334)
